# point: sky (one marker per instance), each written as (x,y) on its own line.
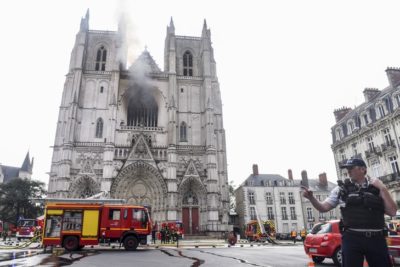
(283,67)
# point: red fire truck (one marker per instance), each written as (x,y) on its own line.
(74,225)
(26,228)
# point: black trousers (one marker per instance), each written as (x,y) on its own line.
(356,246)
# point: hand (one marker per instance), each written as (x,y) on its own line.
(307,193)
(377,183)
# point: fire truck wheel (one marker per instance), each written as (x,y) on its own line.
(71,243)
(130,243)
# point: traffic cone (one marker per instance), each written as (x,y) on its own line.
(310,262)
(365,264)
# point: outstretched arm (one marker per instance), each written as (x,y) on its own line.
(320,206)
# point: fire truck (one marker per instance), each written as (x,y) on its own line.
(253,231)
(77,223)
(26,228)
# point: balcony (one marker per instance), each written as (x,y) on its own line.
(388,146)
(310,219)
(373,152)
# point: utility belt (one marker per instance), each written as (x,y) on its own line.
(366,233)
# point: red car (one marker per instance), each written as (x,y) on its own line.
(324,241)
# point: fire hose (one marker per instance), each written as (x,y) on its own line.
(22,245)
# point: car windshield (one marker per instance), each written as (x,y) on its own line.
(26,223)
(322,228)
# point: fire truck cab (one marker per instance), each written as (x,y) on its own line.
(74,225)
(26,228)
(253,231)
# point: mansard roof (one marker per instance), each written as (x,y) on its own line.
(261,179)
(145,63)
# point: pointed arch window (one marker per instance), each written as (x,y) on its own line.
(187,64)
(183,132)
(99,128)
(101,58)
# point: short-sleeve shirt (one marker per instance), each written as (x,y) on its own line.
(333,198)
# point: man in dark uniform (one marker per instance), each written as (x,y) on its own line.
(363,202)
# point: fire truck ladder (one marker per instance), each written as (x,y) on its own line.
(262,229)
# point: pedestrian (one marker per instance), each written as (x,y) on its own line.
(153,234)
(363,202)
(293,235)
(303,234)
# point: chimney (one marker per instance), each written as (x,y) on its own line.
(340,113)
(290,174)
(323,181)
(304,179)
(393,75)
(370,93)
(255,169)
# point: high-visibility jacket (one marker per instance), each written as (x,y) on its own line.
(293,234)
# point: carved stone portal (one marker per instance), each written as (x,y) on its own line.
(142,184)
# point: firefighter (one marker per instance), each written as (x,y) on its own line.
(293,235)
(303,234)
(363,202)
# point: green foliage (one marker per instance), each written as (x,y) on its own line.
(15,199)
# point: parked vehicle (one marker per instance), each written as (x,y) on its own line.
(28,228)
(254,233)
(74,225)
(324,241)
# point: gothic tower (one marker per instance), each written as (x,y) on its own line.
(149,136)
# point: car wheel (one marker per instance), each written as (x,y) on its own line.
(130,243)
(71,243)
(318,259)
(337,257)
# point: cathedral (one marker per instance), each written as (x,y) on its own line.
(150,136)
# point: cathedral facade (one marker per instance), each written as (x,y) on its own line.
(138,133)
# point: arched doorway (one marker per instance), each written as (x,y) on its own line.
(193,203)
(141,184)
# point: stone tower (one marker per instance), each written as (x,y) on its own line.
(149,136)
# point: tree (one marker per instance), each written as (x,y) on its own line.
(16,199)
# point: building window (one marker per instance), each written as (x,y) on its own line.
(393,164)
(293,213)
(284,213)
(282,198)
(101,89)
(397,97)
(318,197)
(332,214)
(253,213)
(354,147)
(181,90)
(270,213)
(310,215)
(101,58)
(388,138)
(370,142)
(322,216)
(99,128)
(350,126)
(187,64)
(381,111)
(339,133)
(268,198)
(251,198)
(291,198)
(182,132)
(365,117)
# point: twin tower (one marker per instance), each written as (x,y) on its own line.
(138,133)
